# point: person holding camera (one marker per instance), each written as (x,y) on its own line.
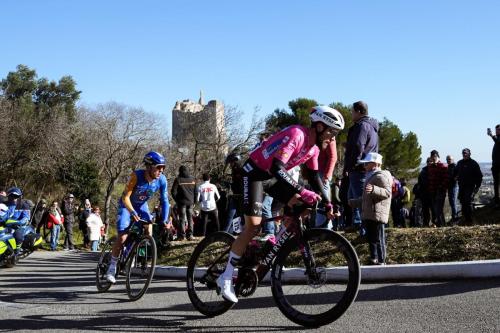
(495,162)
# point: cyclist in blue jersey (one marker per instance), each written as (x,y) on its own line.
(133,205)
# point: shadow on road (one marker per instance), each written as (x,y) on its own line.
(408,292)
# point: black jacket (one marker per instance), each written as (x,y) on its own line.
(468,174)
(183,190)
(68,209)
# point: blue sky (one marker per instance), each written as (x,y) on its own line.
(432,67)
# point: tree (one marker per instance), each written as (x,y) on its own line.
(300,110)
(119,136)
(401,152)
(37,118)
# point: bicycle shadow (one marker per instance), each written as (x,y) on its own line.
(133,321)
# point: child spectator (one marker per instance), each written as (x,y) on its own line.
(375,204)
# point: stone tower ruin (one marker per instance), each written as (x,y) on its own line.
(197,121)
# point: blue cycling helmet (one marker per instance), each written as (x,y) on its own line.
(14,192)
(154,158)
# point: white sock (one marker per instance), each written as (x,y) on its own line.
(233,259)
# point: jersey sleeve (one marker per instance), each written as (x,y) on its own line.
(165,206)
(127,192)
(288,148)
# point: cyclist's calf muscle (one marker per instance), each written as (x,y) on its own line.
(252,223)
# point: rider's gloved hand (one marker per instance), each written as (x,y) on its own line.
(135,216)
(309,197)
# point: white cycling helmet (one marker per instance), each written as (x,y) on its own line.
(328,116)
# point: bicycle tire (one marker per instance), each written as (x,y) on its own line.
(329,252)
(212,252)
(141,263)
(102,266)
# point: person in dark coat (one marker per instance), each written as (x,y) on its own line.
(183,192)
(362,139)
(469,177)
(452,188)
(68,211)
(38,214)
(422,192)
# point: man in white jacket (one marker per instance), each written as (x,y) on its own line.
(207,197)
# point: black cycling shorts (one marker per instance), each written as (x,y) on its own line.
(257,181)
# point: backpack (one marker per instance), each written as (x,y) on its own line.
(397,189)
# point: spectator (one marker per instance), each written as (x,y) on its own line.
(183,192)
(375,204)
(495,162)
(452,188)
(55,220)
(326,164)
(38,214)
(3,196)
(396,203)
(207,197)
(469,177)
(68,210)
(85,212)
(338,221)
(157,213)
(424,195)
(94,224)
(362,139)
(235,198)
(416,214)
(437,187)
(405,201)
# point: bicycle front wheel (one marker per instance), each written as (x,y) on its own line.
(316,289)
(102,266)
(140,267)
(207,262)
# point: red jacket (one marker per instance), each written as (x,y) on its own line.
(437,180)
(51,219)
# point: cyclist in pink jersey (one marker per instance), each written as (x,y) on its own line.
(295,145)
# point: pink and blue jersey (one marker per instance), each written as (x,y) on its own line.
(290,146)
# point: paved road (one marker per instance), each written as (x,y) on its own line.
(55,292)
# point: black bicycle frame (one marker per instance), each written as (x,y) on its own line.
(294,229)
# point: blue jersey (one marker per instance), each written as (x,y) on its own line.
(142,191)
(17,215)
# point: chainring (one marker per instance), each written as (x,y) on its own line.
(247,282)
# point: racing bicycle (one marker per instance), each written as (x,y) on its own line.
(315,273)
(137,261)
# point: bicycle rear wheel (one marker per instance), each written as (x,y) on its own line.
(102,266)
(320,295)
(140,267)
(207,262)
